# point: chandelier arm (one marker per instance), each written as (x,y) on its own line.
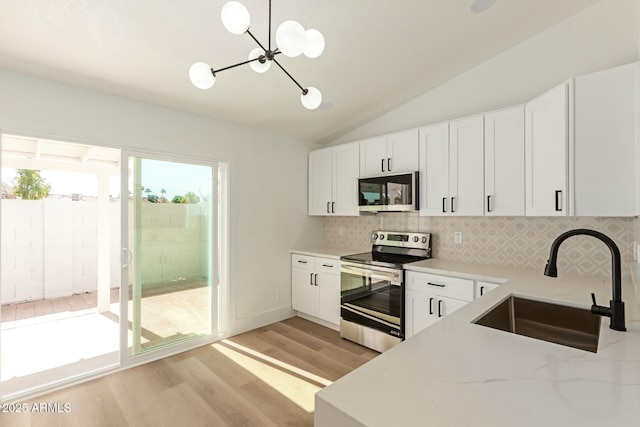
(256,40)
(304,91)
(269,24)
(236,65)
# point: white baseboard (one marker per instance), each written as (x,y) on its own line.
(319,321)
(261,319)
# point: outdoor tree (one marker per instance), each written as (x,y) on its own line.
(30,185)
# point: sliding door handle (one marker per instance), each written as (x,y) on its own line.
(128,263)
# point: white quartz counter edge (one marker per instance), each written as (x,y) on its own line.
(456,373)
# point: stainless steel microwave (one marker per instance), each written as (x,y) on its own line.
(389,193)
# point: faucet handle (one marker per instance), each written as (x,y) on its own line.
(593,298)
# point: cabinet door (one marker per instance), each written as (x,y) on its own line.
(483,287)
(320,185)
(373,156)
(446,306)
(605,115)
(420,312)
(546,153)
(504,162)
(402,152)
(303,291)
(466,166)
(346,169)
(328,294)
(434,170)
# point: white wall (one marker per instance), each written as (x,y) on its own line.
(602,36)
(268,176)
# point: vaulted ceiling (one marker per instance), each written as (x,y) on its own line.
(379,53)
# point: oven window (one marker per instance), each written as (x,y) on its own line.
(376,297)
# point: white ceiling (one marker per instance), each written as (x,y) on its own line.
(379,53)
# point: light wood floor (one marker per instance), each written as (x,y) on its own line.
(265,377)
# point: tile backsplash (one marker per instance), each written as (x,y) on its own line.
(510,241)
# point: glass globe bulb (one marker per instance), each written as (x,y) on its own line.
(291,38)
(312,99)
(258,66)
(235,17)
(315,44)
(201,75)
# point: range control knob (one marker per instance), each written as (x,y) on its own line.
(416,238)
(381,236)
(375,236)
(424,240)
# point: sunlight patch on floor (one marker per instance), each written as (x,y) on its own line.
(297,390)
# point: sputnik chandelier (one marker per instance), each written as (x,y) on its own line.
(291,40)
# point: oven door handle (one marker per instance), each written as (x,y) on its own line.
(370,317)
(374,274)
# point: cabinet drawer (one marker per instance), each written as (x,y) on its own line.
(328,265)
(446,286)
(303,261)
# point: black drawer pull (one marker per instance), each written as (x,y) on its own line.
(302,262)
(327,265)
(440,285)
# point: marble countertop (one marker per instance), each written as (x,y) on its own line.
(456,373)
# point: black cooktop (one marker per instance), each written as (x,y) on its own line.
(383,259)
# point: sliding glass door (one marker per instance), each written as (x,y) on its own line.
(173,221)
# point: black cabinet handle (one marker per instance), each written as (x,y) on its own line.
(311,279)
(489,203)
(444,204)
(452,210)
(327,265)
(328,203)
(333,207)
(430,305)
(440,285)
(302,262)
(382,165)
(389,164)
(481,290)
(316,279)
(558,207)
(439,308)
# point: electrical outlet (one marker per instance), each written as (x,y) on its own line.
(341,230)
(457,237)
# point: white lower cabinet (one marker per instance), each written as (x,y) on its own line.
(315,287)
(483,287)
(429,297)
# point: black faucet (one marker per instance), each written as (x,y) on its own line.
(615,311)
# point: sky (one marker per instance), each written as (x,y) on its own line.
(175,178)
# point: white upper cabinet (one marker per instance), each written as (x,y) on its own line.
(547,144)
(605,115)
(434,169)
(504,162)
(389,154)
(333,180)
(451,168)
(466,166)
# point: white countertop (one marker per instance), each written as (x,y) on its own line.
(328,252)
(456,373)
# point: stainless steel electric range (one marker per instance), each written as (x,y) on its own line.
(372,288)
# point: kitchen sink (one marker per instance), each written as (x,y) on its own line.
(555,323)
